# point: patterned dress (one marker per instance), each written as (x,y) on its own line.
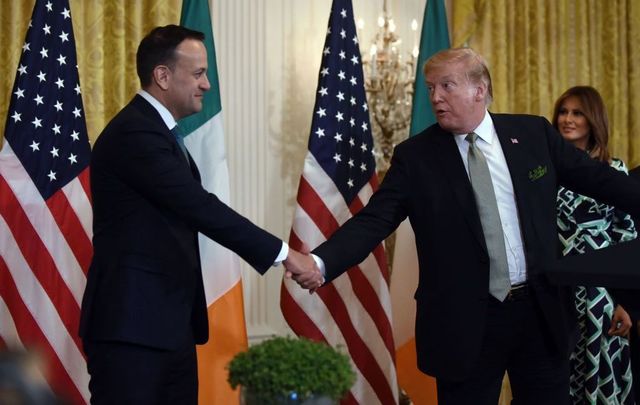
(600,365)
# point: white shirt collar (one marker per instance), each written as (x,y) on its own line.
(168,119)
(485,129)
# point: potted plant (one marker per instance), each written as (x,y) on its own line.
(285,370)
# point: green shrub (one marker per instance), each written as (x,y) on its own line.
(281,366)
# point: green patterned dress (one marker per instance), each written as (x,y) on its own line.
(600,365)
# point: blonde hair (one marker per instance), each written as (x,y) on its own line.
(476,70)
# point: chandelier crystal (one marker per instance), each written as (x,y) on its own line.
(389,81)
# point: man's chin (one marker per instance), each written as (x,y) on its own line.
(444,124)
(196,109)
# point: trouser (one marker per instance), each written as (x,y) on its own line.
(125,373)
(514,341)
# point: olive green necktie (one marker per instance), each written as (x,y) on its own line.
(499,284)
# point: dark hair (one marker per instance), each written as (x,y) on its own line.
(158,48)
(596,114)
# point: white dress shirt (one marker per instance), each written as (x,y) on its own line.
(170,122)
(166,116)
(489,144)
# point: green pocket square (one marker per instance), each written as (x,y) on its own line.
(535,174)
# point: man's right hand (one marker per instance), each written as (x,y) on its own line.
(303,269)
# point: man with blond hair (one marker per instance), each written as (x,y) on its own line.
(480,191)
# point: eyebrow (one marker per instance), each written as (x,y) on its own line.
(445,78)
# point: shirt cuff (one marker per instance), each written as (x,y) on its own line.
(320,264)
(284,252)
(282,256)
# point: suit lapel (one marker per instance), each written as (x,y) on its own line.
(194,167)
(453,168)
(515,149)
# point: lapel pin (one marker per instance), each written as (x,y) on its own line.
(514,140)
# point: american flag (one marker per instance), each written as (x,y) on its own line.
(45,212)
(354,311)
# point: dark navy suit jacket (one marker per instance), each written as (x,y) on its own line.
(630,299)
(144,285)
(427,183)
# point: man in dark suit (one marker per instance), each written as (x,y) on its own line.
(635,173)
(144,306)
(630,300)
(484,304)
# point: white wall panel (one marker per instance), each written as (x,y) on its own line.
(268,55)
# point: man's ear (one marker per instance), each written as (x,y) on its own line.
(162,76)
(481,92)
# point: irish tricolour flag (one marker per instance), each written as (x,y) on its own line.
(221,268)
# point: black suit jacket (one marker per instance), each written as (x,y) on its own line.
(635,173)
(630,299)
(144,285)
(428,183)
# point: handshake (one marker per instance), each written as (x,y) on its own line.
(302,268)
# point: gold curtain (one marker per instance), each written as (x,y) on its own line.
(107,33)
(536,49)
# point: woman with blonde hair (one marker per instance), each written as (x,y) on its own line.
(600,363)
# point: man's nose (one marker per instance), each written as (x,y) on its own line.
(435,96)
(206,85)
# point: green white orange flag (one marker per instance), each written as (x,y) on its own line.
(404,277)
(220,267)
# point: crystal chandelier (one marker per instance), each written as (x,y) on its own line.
(389,81)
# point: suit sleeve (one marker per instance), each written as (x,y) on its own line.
(152,166)
(354,240)
(580,173)
(629,299)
